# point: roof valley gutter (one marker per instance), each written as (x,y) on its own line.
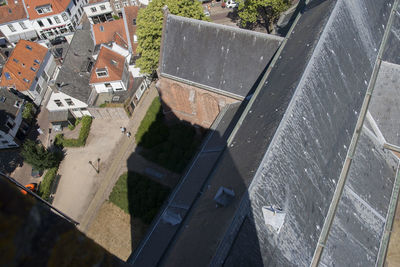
(389,220)
(264,78)
(350,154)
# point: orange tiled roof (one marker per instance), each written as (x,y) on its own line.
(12,11)
(21,66)
(131,13)
(112,31)
(111,60)
(57,6)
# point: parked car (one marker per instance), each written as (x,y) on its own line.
(36,173)
(32,187)
(58,40)
(231,4)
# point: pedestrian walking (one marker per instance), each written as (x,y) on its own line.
(128,134)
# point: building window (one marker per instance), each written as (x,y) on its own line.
(10,124)
(28,47)
(33,69)
(44,76)
(117,6)
(50,22)
(80,12)
(58,103)
(26,80)
(93,9)
(101,28)
(23,26)
(43,9)
(103,7)
(101,72)
(134,38)
(15,60)
(57,19)
(36,61)
(7,75)
(134,22)
(4,142)
(40,23)
(118,89)
(108,85)
(38,89)
(69,12)
(69,102)
(64,16)
(11,27)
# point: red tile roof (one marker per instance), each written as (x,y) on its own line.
(57,6)
(112,61)
(12,11)
(130,13)
(22,65)
(112,31)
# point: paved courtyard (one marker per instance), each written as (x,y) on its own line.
(79,180)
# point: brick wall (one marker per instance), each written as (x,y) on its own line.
(189,103)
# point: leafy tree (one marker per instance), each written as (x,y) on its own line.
(28,111)
(251,11)
(149,28)
(38,156)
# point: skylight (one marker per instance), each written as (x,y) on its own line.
(8,76)
(25,80)
(15,60)
(33,69)
(36,61)
(28,47)
(101,28)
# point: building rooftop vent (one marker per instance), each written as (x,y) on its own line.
(224,196)
(172,217)
(273,217)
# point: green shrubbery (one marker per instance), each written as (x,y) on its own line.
(138,196)
(47,183)
(29,112)
(83,135)
(169,146)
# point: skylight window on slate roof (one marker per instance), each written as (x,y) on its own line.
(7,75)
(28,47)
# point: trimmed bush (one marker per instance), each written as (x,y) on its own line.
(83,135)
(138,196)
(47,183)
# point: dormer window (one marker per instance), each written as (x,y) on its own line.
(102,72)
(43,9)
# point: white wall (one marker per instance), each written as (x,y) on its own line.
(101,88)
(52,106)
(98,11)
(19,33)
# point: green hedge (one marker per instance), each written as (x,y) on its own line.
(83,135)
(47,182)
(152,117)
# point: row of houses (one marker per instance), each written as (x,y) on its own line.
(98,67)
(45,19)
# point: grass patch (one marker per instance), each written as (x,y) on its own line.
(47,183)
(83,135)
(138,196)
(169,146)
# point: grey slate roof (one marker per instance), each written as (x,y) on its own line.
(73,76)
(7,108)
(217,57)
(290,148)
(58,116)
(357,229)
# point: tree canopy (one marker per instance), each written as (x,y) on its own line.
(251,11)
(149,28)
(38,156)
(28,112)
